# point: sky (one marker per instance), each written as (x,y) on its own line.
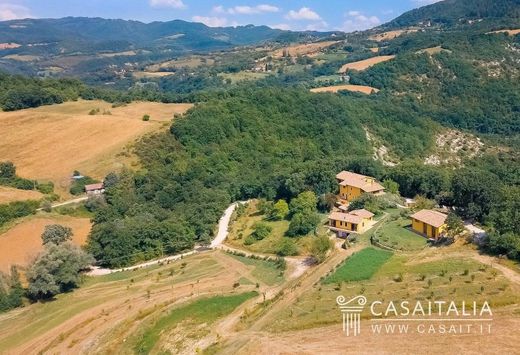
(319,15)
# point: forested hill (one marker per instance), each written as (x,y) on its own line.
(88,35)
(450,12)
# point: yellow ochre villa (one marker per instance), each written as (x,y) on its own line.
(352,185)
(431,224)
(357,221)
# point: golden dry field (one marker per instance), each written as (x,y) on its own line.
(365,64)
(385,36)
(50,142)
(357,88)
(509,32)
(303,49)
(22,243)
(9,194)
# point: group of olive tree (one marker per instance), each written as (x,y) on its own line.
(58,268)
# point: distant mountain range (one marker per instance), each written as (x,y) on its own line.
(88,35)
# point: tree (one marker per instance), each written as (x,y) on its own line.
(279,211)
(455,224)
(305,202)
(320,246)
(303,223)
(423,203)
(391,186)
(56,234)
(327,202)
(57,269)
(475,192)
(7,170)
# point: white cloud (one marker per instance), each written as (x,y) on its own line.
(211,21)
(357,21)
(282,26)
(246,10)
(176,4)
(13,12)
(317,26)
(303,14)
(219,9)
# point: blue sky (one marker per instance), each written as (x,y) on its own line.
(323,15)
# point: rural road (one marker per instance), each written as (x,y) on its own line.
(222,233)
(69,202)
(223,225)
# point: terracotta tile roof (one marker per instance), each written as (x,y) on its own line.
(365,183)
(362,213)
(433,218)
(93,187)
(345,217)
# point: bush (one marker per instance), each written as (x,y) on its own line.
(45,187)
(279,211)
(320,247)
(11,290)
(17,209)
(146,118)
(287,247)
(261,231)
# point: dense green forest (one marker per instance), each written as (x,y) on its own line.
(452,12)
(276,143)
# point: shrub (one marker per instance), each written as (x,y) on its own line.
(279,211)
(146,118)
(262,230)
(320,247)
(287,247)
(45,187)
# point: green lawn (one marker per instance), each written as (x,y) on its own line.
(266,271)
(397,235)
(206,310)
(244,227)
(360,266)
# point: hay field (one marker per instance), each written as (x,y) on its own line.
(365,64)
(509,32)
(303,49)
(22,58)
(149,74)
(9,194)
(385,36)
(188,62)
(50,142)
(20,244)
(357,88)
